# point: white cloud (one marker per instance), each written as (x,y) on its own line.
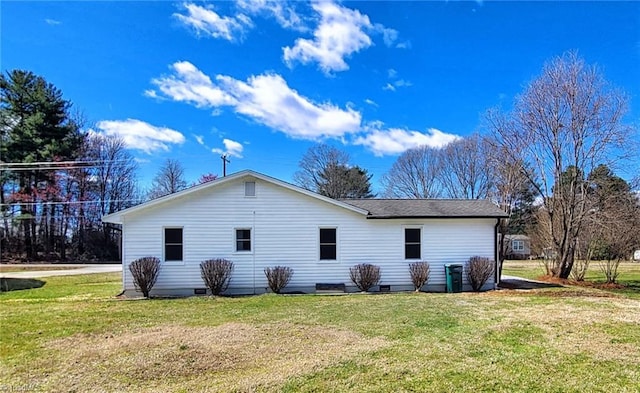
(52,22)
(395,84)
(189,84)
(391,73)
(404,45)
(370,102)
(402,83)
(285,14)
(140,135)
(231,148)
(389,36)
(269,100)
(204,20)
(199,139)
(395,140)
(340,33)
(266,98)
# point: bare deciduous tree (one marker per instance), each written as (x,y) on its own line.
(464,169)
(315,161)
(568,117)
(511,190)
(414,175)
(168,180)
(326,170)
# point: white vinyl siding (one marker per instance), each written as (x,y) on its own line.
(285,231)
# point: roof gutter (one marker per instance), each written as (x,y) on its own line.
(370,217)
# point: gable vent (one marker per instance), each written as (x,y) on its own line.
(250,189)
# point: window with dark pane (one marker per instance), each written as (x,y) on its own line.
(243,239)
(328,244)
(173,244)
(412,243)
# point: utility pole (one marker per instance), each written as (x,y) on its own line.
(224,164)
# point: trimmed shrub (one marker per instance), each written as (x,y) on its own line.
(580,267)
(479,269)
(278,277)
(216,274)
(419,274)
(365,276)
(145,274)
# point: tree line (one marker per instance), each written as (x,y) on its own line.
(57,180)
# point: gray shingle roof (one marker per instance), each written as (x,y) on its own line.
(423,208)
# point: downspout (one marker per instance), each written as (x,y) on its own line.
(253,254)
(122,255)
(496,254)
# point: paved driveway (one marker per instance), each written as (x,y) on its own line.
(74,269)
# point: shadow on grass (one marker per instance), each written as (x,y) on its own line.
(514,283)
(16,284)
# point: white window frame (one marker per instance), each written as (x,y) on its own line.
(336,244)
(164,245)
(235,240)
(518,242)
(404,242)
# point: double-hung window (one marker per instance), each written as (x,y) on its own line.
(412,244)
(243,240)
(173,244)
(328,243)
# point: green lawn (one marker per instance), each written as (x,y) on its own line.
(72,334)
(629,274)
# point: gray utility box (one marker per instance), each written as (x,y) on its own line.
(453,273)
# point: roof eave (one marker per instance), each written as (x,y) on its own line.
(374,217)
(117,217)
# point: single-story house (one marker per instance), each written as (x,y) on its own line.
(257,221)
(517,246)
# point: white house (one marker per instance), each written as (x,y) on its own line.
(257,221)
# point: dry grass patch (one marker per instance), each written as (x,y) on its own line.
(230,357)
(575,327)
(9,268)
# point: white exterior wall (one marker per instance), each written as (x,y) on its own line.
(285,231)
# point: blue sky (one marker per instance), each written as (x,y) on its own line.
(263,81)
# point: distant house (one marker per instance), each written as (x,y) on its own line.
(257,221)
(518,246)
(636,255)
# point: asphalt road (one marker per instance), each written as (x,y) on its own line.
(74,269)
